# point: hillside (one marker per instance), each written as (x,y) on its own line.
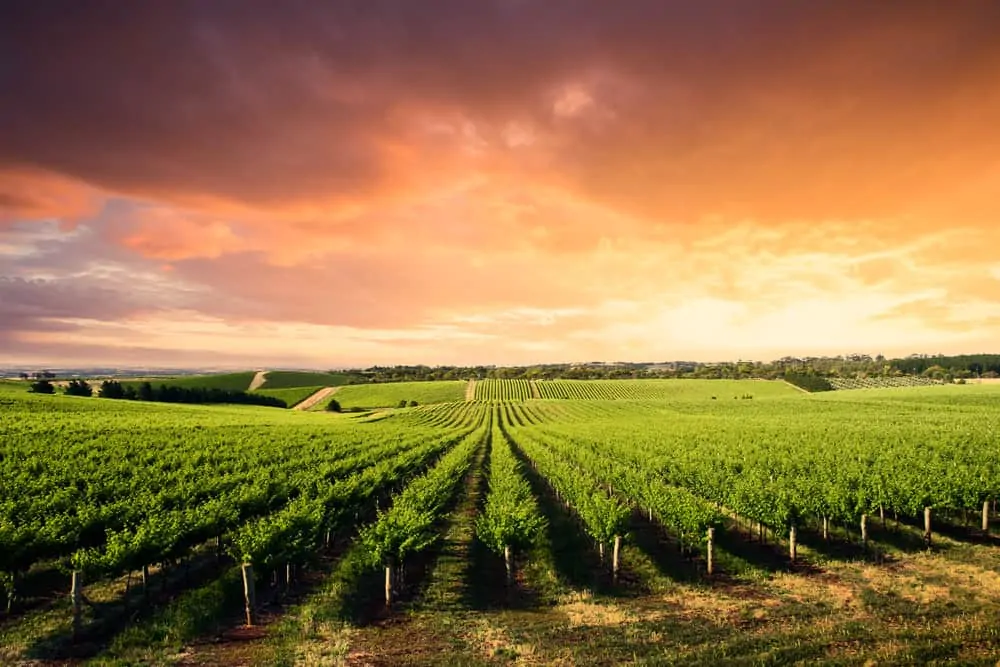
(390,394)
(290,379)
(228,381)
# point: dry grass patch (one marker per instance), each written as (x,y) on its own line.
(328,646)
(827,588)
(493,641)
(581,610)
(714,606)
(908,586)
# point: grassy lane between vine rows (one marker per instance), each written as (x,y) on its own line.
(431,625)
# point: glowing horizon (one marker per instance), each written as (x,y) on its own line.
(497,183)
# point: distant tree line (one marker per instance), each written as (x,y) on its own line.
(856,366)
(960,366)
(161,394)
(171,394)
(37,375)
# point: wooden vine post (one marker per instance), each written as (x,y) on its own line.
(826,528)
(249,594)
(615,558)
(986,516)
(76,598)
(792,542)
(388,585)
(508,559)
(927,526)
(864,530)
(710,550)
(11,593)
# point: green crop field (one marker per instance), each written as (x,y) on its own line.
(390,394)
(228,381)
(292,395)
(697,522)
(290,379)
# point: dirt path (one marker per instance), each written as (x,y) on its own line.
(470,391)
(534,389)
(258,380)
(315,398)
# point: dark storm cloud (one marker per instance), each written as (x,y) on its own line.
(761,108)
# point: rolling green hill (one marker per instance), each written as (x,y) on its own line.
(389,394)
(228,381)
(289,379)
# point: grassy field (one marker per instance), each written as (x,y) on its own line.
(292,395)
(228,381)
(891,601)
(290,379)
(390,394)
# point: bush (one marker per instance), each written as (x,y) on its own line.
(111,389)
(333,406)
(402,404)
(78,388)
(42,387)
(413,404)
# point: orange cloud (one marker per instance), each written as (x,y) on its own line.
(28,194)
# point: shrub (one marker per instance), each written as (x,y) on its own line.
(78,388)
(111,389)
(42,387)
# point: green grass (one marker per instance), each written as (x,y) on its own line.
(390,394)
(292,395)
(289,379)
(228,381)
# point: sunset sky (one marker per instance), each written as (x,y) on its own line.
(320,184)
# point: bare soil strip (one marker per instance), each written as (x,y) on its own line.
(315,398)
(258,380)
(534,389)
(470,391)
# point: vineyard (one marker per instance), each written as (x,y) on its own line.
(882,382)
(701,520)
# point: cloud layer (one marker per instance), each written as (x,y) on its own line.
(502,181)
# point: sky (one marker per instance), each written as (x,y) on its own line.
(249,183)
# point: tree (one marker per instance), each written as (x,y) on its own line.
(23,375)
(333,406)
(413,404)
(145,392)
(402,404)
(78,388)
(111,389)
(42,387)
